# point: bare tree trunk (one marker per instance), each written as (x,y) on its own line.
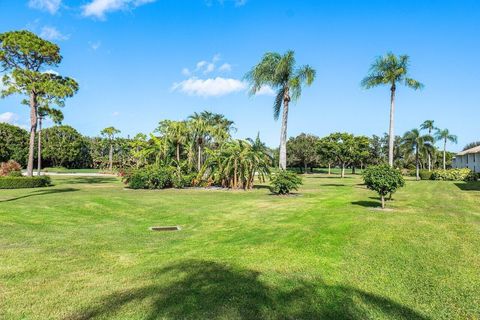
(391,130)
(383,201)
(445,155)
(343,170)
(417,164)
(33,129)
(39,145)
(283,133)
(329,169)
(305,167)
(110,157)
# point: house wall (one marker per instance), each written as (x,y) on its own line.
(471,161)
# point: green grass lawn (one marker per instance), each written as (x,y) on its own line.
(82,250)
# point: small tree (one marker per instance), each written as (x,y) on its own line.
(110,133)
(283,181)
(384,180)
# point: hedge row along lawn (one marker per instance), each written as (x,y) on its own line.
(82,249)
(24,182)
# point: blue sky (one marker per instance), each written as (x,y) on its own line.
(141,61)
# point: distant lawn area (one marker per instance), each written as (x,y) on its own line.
(83,250)
(65,170)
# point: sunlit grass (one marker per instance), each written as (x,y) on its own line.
(82,250)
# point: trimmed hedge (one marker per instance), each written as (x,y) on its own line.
(24,182)
(426,175)
(464,174)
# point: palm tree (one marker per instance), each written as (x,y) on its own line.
(199,130)
(445,136)
(429,125)
(390,70)
(414,142)
(176,133)
(280,73)
(110,133)
(44,111)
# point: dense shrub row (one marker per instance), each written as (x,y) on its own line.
(17,182)
(463,174)
(157,177)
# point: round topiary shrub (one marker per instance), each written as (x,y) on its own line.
(283,181)
(150,177)
(425,175)
(384,180)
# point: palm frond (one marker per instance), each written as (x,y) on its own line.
(277,106)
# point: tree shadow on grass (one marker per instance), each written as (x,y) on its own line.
(469,186)
(42,192)
(209,290)
(89,180)
(261,186)
(333,185)
(367,204)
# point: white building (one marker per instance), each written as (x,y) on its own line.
(468,159)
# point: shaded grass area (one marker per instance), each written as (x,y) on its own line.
(66,170)
(82,250)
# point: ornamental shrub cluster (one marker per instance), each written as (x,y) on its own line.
(463,174)
(283,181)
(157,177)
(10,168)
(426,175)
(15,182)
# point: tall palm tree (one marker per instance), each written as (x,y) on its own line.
(445,136)
(110,133)
(414,142)
(390,70)
(44,111)
(199,130)
(280,73)
(429,125)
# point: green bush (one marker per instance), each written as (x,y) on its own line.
(463,174)
(283,181)
(180,181)
(383,179)
(12,182)
(426,175)
(150,177)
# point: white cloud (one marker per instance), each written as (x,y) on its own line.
(186,72)
(115,113)
(95,45)
(98,8)
(201,64)
(238,3)
(226,67)
(51,6)
(209,68)
(8,117)
(51,33)
(265,91)
(52,72)
(213,87)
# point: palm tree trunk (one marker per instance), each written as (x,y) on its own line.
(329,169)
(33,129)
(445,155)
(383,201)
(391,130)
(199,158)
(283,134)
(235,173)
(178,153)
(110,157)
(39,145)
(417,163)
(343,170)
